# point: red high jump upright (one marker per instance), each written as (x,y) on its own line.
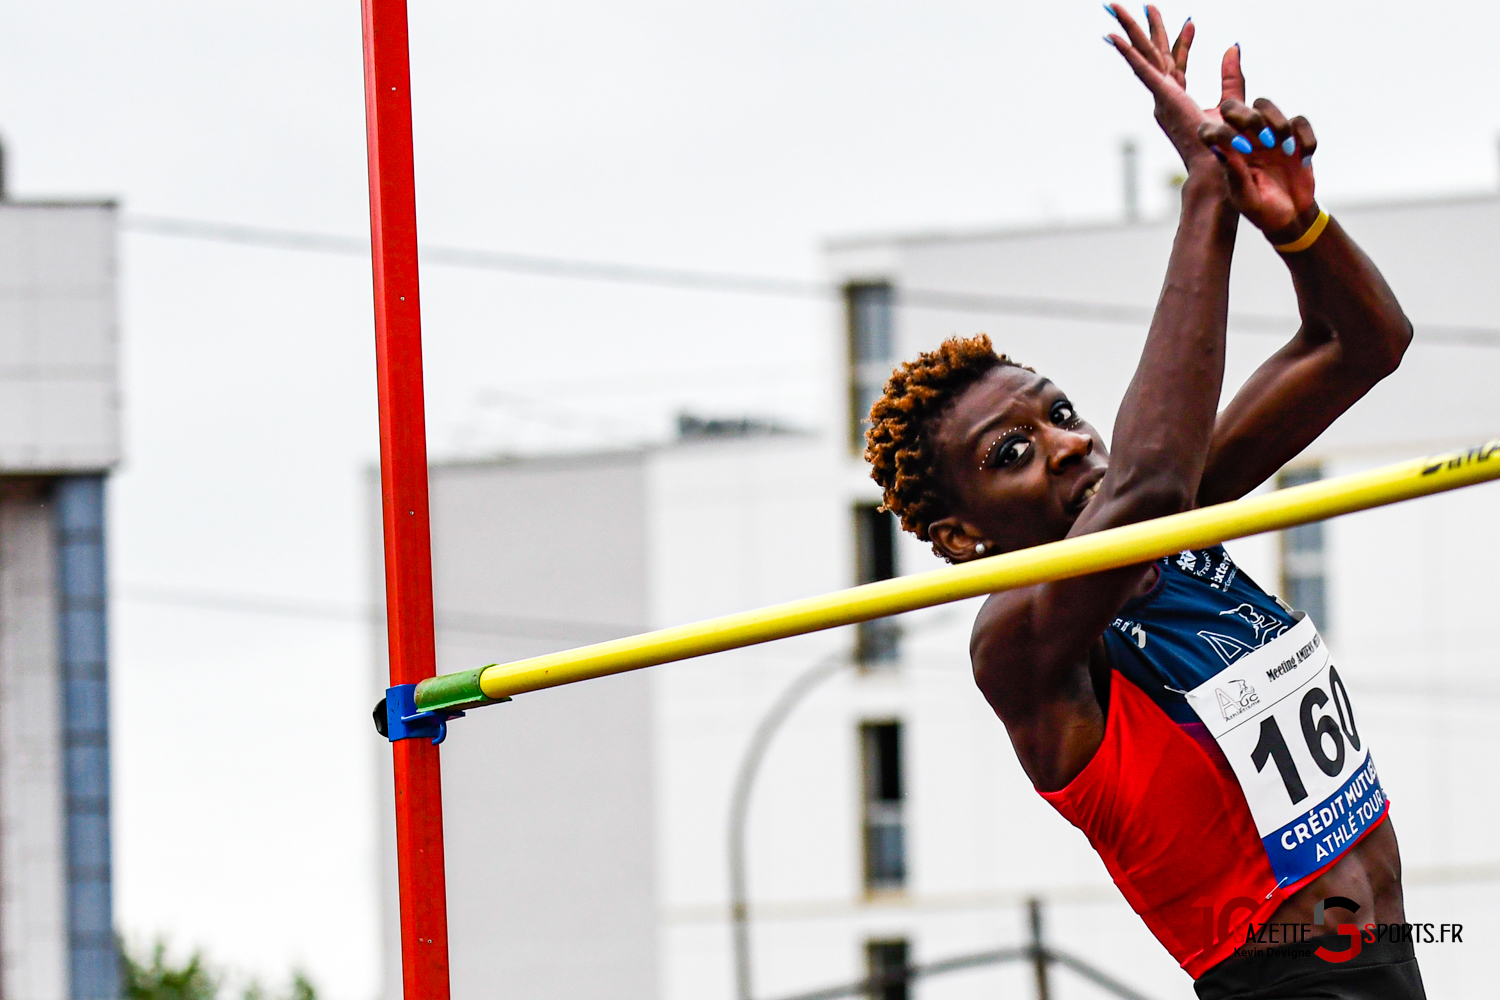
(403,481)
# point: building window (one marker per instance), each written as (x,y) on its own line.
(1304,580)
(886,964)
(872,351)
(884,793)
(878,641)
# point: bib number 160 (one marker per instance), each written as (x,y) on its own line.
(1324,737)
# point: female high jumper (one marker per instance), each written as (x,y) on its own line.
(1190,724)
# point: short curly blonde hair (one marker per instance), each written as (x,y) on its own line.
(898,444)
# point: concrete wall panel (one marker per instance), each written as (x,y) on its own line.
(33,913)
(548,818)
(59,395)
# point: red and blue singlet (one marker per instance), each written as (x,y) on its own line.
(1232,770)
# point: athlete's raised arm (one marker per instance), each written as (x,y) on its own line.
(1353,331)
(1031,647)
(1165,423)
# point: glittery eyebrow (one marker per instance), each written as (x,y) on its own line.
(1000,439)
(985,429)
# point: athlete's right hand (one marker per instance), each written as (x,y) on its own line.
(1268,159)
(1163,69)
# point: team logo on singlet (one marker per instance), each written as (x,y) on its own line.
(1134,629)
(1212,566)
(1263,628)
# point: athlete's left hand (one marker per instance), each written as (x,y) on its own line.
(1268,160)
(1162,67)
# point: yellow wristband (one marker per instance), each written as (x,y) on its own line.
(1308,238)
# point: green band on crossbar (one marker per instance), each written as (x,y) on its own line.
(454,692)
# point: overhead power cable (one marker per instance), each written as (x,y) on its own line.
(511,626)
(523,627)
(487,260)
(740,284)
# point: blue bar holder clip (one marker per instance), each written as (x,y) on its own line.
(398,718)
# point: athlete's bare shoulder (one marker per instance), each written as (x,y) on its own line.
(1054,712)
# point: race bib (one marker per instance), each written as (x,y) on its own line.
(1282,716)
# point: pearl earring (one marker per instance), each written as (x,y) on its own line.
(979,548)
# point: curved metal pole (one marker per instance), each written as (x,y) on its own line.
(1093,975)
(744,783)
(865,987)
(739,804)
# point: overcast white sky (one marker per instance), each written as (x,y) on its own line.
(730,137)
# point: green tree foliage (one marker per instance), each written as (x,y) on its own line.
(158,978)
(302,989)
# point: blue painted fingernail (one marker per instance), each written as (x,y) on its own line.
(1242,144)
(1109,41)
(1268,138)
(1289,146)
(1111,12)
(1148,12)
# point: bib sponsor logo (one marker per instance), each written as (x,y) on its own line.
(1241,698)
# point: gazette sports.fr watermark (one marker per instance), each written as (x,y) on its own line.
(1303,940)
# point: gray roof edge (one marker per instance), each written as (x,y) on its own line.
(857,241)
(623,455)
(110,203)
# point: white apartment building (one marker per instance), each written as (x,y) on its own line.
(59,436)
(587,827)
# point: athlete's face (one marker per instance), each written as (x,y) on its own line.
(1019,464)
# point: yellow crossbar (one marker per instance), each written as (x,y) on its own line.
(1084,554)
